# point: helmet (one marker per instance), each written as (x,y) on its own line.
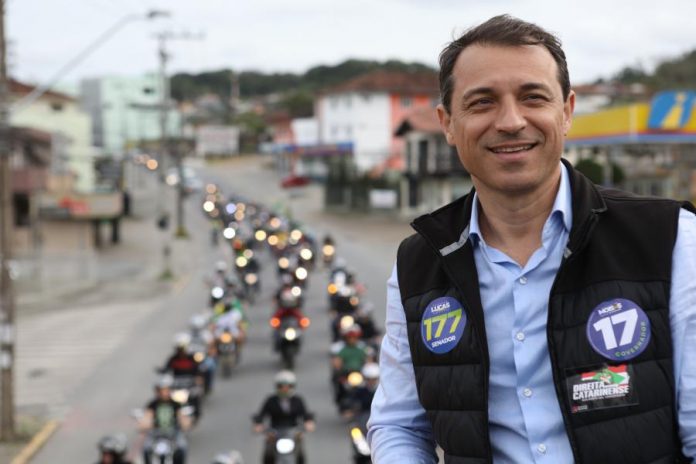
(233,457)
(285,378)
(198,322)
(352,331)
(166,381)
(370,371)
(182,340)
(221,266)
(116,444)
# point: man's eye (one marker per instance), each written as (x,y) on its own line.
(534,97)
(480,102)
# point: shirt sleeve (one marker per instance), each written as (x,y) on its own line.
(683,325)
(398,430)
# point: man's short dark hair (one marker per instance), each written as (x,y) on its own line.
(502,30)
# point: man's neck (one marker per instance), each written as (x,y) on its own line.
(513,223)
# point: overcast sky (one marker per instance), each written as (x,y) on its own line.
(599,36)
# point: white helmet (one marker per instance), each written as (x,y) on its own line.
(182,340)
(198,322)
(370,371)
(165,381)
(285,378)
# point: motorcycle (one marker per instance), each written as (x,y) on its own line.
(346,386)
(328,251)
(187,392)
(288,337)
(164,443)
(286,449)
(358,440)
(251,286)
(227,353)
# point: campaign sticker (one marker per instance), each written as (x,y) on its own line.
(601,387)
(618,329)
(442,324)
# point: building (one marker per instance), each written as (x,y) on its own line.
(654,143)
(433,174)
(126,111)
(70,130)
(366,111)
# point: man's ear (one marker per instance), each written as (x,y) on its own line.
(568,108)
(445,120)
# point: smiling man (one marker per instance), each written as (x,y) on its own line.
(508,302)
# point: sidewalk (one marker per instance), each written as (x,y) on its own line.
(124,274)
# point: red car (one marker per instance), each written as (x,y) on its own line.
(294,181)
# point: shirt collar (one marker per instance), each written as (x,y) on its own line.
(562,206)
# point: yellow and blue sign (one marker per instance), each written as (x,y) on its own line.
(671,110)
(669,118)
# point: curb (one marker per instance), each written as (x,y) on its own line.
(36,443)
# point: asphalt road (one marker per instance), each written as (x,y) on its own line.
(123,381)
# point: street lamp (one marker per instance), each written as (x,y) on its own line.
(31,97)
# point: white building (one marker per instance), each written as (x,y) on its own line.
(126,110)
(70,128)
(365,111)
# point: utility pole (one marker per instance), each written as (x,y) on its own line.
(166,148)
(7,303)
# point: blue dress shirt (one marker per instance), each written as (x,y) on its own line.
(526,425)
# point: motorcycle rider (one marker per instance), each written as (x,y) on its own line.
(112,450)
(202,338)
(362,396)
(284,409)
(288,304)
(181,362)
(348,355)
(233,322)
(163,414)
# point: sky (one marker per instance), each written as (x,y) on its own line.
(600,37)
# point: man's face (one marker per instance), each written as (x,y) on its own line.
(507,117)
(164,393)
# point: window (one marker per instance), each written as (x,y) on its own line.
(21,210)
(56,106)
(406,102)
(148,90)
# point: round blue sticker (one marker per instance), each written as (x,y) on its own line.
(443,324)
(618,329)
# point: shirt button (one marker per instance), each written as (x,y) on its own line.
(541,448)
(523,280)
(527,392)
(520,336)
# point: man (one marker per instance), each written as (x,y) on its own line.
(508,301)
(165,416)
(285,410)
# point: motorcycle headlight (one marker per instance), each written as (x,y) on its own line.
(355,379)
(260,235)
(241,261)
(217,292)
(162,448)
(346,321)
(285,445)
(229,233)
(180,396)
(360,441)
(328,250)
(306,254)
(226,337)
(283,263)
(301,273)
(199,356)
(251,279)
(290,334)
(296,291)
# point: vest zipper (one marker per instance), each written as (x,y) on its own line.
(568,256)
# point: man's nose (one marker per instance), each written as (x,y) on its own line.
(510,118)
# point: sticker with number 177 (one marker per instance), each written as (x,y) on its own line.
(442,324)
(618,329)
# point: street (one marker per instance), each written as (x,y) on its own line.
(103,352)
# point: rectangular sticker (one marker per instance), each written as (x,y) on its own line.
(600,387)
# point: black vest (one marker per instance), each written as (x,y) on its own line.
(620,246)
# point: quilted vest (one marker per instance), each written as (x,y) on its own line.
(619,251)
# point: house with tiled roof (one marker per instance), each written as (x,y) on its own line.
(365,111)
(433,175)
